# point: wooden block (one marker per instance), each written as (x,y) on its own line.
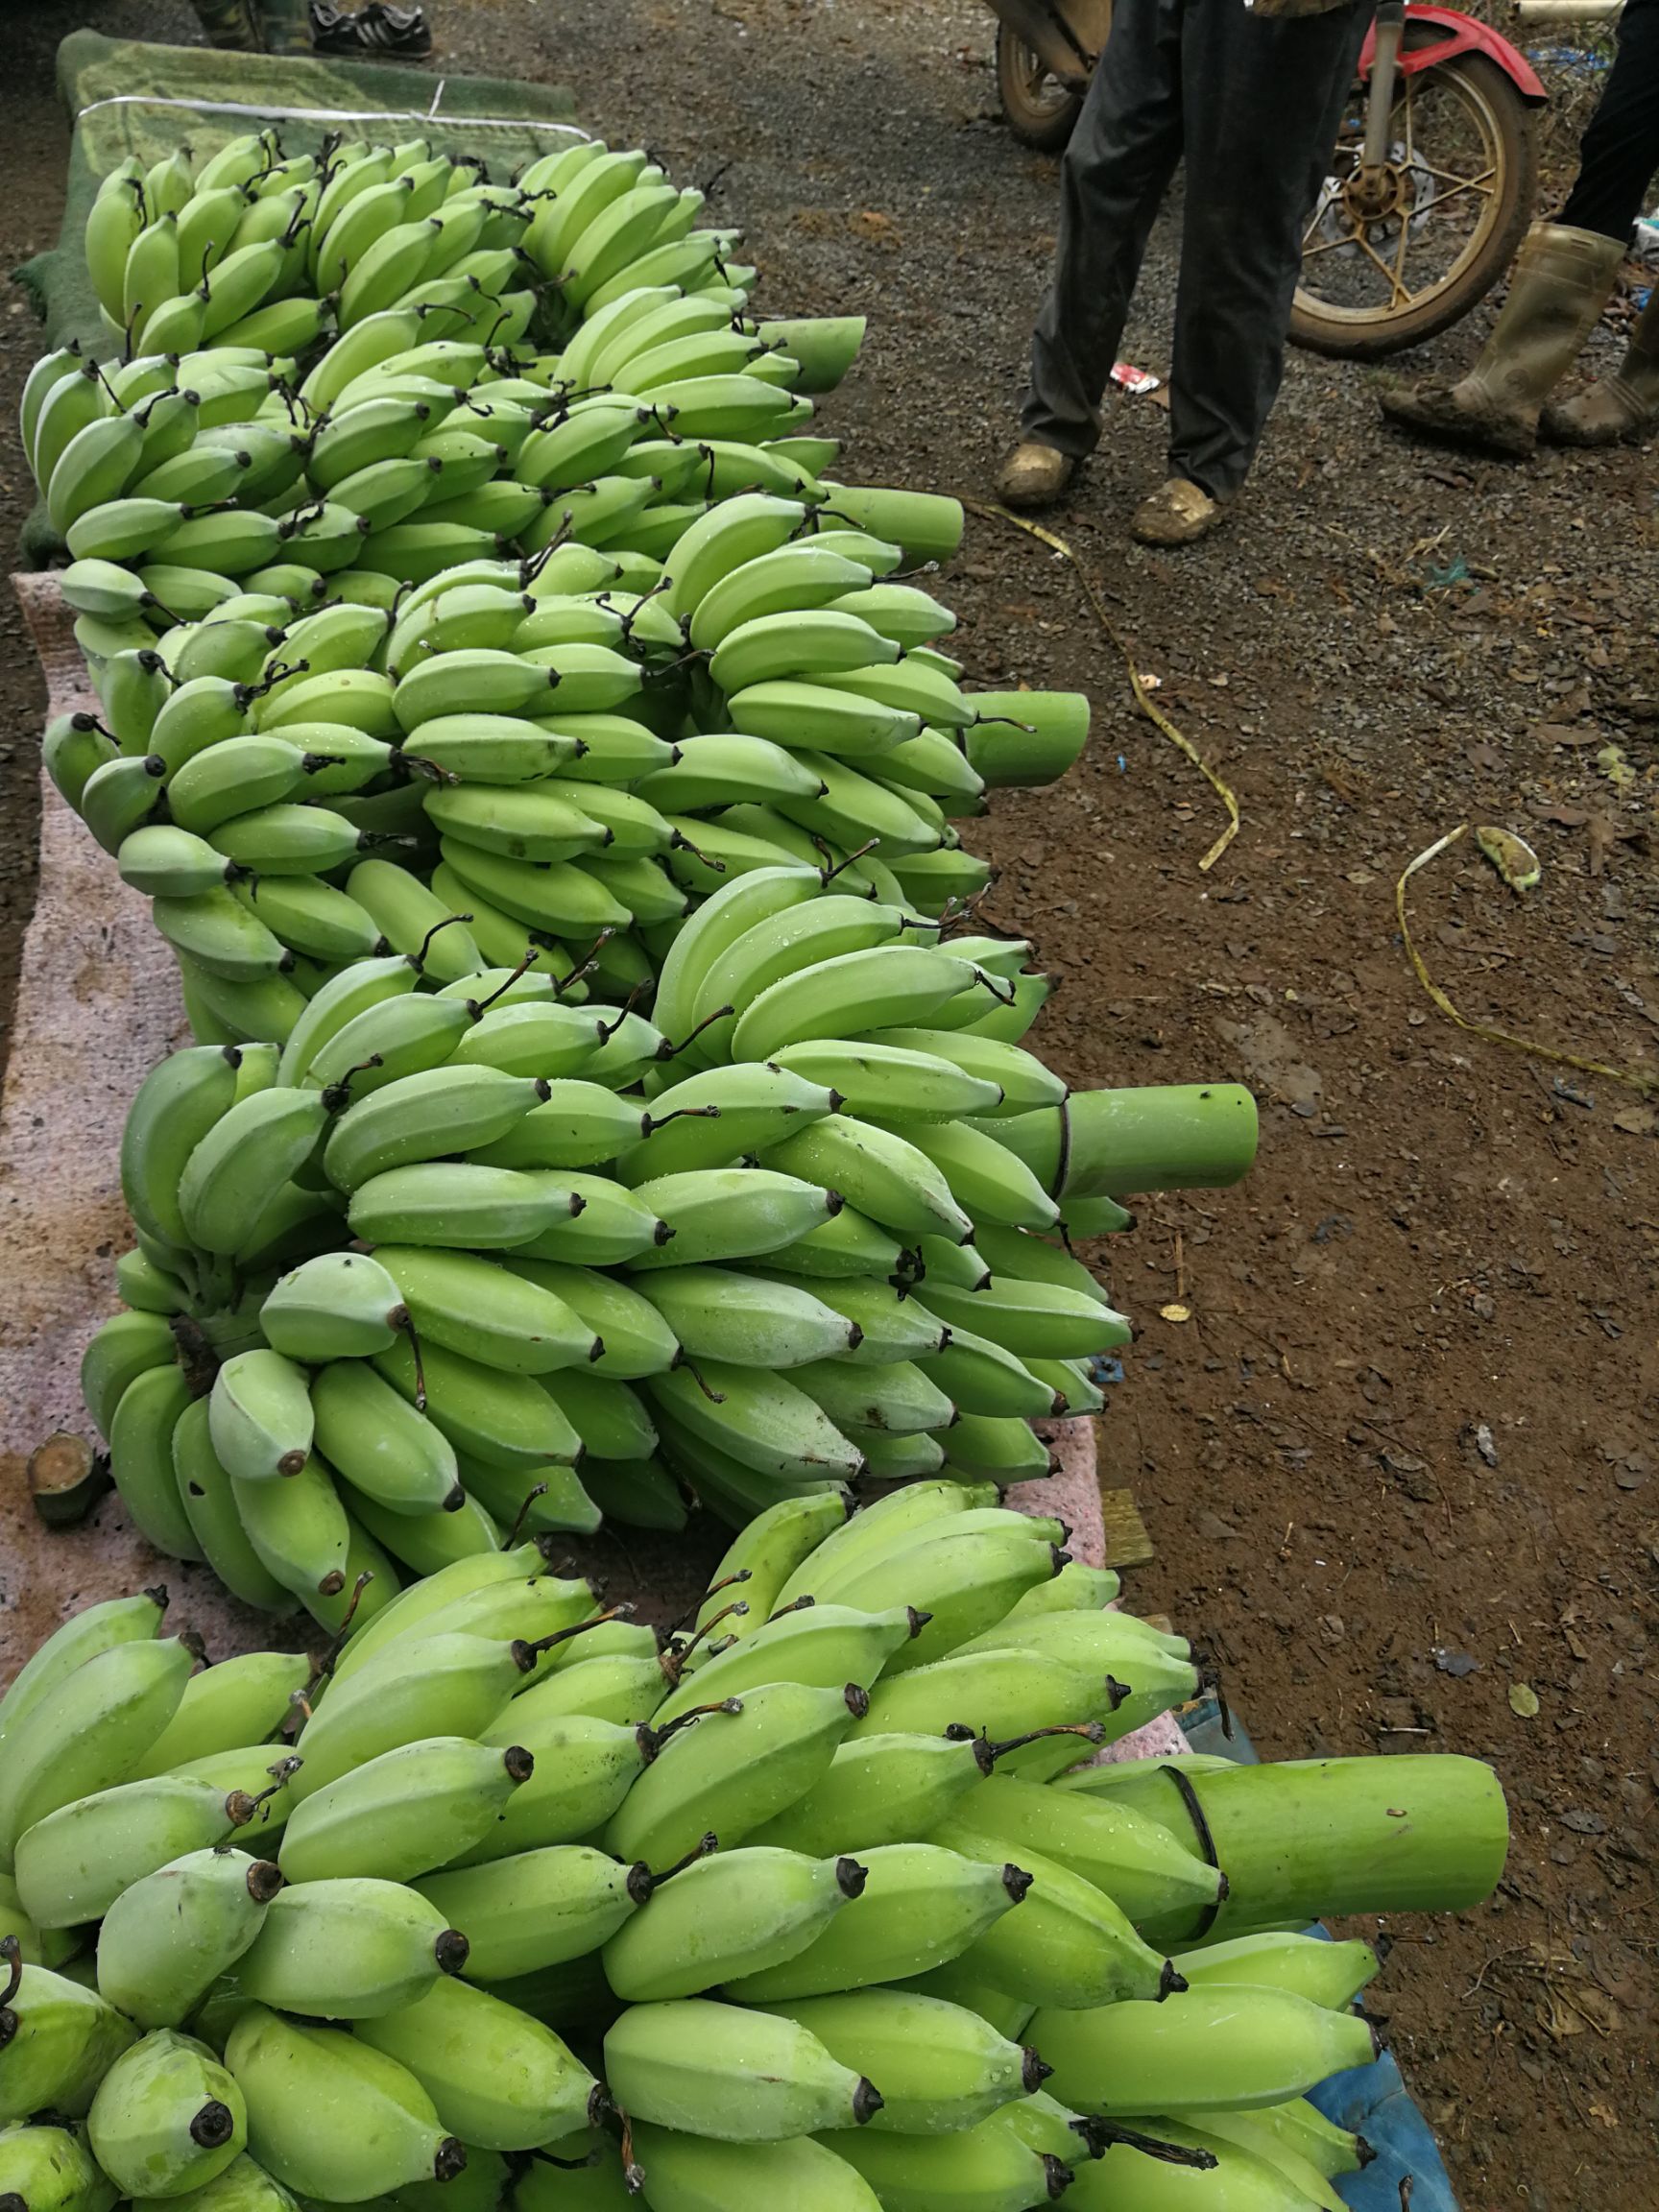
(1127,1543)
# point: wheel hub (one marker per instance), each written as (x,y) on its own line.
(1374,206)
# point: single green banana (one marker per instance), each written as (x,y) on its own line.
(167,2117)
(887,1525)
(326,2112)
(82,1637)
(76,1862)
(1326,1973)
(90,1732)
(736,2075)
(64,2039)
(989,2165)
(488,2068)
(249,1153)
(820,1646)
(1075,1947)
(260,1412)
(48,2168)
(881,1790)
(339,1305)
(403,1813)
(946,2069)
(166,1940)
(739,1912)
(348,1948)
(537,1908)
(462,1682)
(691,2174)
(730,1771)
(241,1700)
(1218,2049)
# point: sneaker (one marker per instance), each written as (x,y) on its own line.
(1034,475)
(384,28)
(376,29)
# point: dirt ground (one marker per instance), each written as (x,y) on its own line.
(1399,1460)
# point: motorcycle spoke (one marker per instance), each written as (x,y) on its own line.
(1457,184)
(1326,246)
(1397,292)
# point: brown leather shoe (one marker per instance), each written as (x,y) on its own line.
(1034,475)
(1176,513)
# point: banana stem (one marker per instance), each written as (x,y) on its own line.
(1309,1839)
(1164,1137)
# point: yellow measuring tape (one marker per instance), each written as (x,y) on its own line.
(1143,699)
(1645,1085)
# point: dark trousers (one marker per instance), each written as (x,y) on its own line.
(1252,102)
(1619,151)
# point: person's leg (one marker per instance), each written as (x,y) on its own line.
(1619,153)
(1115,171)
(1264,99)
(1560,283)
(1617,162)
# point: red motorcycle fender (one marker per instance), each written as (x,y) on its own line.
(1464,35)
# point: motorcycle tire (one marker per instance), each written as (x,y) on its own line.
(1037,107)
(1373,336)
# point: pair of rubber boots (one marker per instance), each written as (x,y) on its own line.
(1562,281)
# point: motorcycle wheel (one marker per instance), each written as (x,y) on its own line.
(1375,280)
(1039,109)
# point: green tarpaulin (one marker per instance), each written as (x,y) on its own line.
(128,98)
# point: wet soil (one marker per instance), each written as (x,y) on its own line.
(1398,1456)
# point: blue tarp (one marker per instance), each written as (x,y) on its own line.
(1371,2101)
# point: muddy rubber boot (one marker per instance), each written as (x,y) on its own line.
(1622,405)
(1178,512)
(1562,281)
(230,24)
(1034,475)
(285,25)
